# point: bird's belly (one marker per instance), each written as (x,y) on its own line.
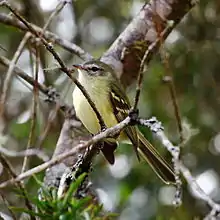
(86,114)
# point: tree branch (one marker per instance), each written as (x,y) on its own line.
(109,132)
(51,37)
(156,127)
(126,53)
(49,47)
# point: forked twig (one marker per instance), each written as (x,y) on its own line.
(109,132)
(67,45)
(156,127)
(6,62)
(35,89)
(52,95)
(49,47)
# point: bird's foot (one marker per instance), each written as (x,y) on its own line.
(133,114)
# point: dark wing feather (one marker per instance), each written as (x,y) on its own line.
(108,150)
(121,107)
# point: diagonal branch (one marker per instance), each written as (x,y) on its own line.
(49,47)
(53,38)
(9,74)
(109,132)
(26,153)
(19,72)
(126,53)
(156,127)
(59,7)
(146,56)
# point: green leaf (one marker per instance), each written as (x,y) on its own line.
(73,187)
(32,213)
(82,202)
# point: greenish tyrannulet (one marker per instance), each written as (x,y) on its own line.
(104,89)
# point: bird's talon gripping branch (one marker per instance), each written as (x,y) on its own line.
(133,114)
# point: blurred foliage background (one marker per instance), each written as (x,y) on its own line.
(129,187)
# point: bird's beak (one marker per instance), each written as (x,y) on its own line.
(78,66)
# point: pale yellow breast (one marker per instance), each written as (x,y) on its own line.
(85,113)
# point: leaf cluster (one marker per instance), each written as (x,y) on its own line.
(49,207)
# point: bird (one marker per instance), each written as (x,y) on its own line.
(107,93)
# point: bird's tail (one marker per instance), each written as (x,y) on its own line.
(157,163)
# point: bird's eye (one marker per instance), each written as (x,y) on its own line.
(94,68)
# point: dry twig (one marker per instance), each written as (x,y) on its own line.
(9,74)
(19,184)
(8,205)
(49,47)
(26,153)
(155,126)
(34,108)
(169,80)
(107,133)
(72,48)
(35,89)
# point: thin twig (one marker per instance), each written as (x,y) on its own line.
(196,188)
(8,205)
(107,133)
(10,73)
(72,48)
(5,62)
(169,78)
(176,156)
(140,77)
(140,80)
(52,95)
(155,126)
(26,153)
(146,56)
(56,11)
(48,91)
(2,48)
(51,118)
(34,107)
(53,113)
(49,47)
(19,184)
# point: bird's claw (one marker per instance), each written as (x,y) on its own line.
(133,114)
